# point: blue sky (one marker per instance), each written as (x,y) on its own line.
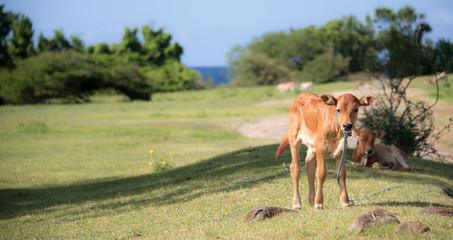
(208,29)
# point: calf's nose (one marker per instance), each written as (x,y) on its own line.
(347,127)
(369,151)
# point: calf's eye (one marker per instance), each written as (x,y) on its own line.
(356,110)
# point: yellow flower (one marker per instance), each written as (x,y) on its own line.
(164,162)
(150,164)
(171,154)
(151,152)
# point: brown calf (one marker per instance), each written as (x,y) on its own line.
(377,155)
(313,122)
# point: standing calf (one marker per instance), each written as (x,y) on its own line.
(377,155)
(313,122)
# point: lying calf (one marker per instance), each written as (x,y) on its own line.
(377,155)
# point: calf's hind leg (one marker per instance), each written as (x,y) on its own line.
(310,168)
(295,172)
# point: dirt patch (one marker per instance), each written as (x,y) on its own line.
(287,101)
(273,127)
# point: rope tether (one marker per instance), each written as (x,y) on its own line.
(346,135)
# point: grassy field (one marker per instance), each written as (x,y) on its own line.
(82,172)
(445,93)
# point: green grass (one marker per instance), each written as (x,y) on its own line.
(81,171)
(445,93)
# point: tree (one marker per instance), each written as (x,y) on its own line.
(59,41)
(326,67)
(77,43)
(6,19)
(59,70)
(281,52)
(350,38)
(444,55)
(129,43)
(21,42)
(293,50)
(43,44)
(259,69)
(303,46)
(395,63)
(156,46)
(272,45)
(101,48)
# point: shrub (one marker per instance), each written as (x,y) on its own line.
(326,67)
(170,77)
(259,69)
(128,80)
(412,129)
(72,76)
(65,74)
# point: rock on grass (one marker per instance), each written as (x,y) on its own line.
(261,213)
(413,226)
(372,218)
(438,210)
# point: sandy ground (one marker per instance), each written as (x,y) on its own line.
(275,127)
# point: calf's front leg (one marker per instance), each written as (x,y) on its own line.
(344,199)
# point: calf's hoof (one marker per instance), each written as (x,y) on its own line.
(296,203)
(346,205)
(318,207)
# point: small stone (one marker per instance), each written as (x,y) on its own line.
(261,213)
(413,226)
(438,210)
(372,218)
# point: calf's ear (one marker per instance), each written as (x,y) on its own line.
(379,134)
(357,131)
(366,100)
(329,99)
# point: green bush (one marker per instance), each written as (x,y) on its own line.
(123,75)
(128,80)
(71,76)
(259,69)
(326,67)
(171,76)
(412,130)
(65,74)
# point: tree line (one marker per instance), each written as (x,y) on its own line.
(330,52)
(58,67)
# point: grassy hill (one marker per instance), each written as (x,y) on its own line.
(82,171)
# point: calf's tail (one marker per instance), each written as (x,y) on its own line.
(282,147)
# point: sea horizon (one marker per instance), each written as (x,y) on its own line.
(216,75)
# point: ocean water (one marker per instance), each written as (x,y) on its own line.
(214,75)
